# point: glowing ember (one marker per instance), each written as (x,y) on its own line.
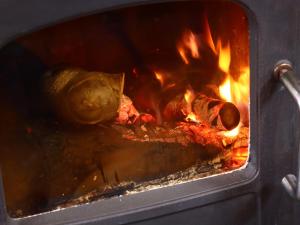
(191,117)
(189,46)
(232,133)
(239,157)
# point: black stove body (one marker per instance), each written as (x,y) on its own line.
(250,196)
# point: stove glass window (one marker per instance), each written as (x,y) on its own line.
(122,102)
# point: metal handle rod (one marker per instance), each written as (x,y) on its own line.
(283,72)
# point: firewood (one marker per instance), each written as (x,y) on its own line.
(218,113)
(84,97)
(211,111)
(185,134)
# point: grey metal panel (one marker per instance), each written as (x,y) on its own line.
(241,210)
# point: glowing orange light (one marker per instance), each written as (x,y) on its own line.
(233,89)
(224,58)
(236,92)
(183,56)
(225,90)
(189,45)
(208,36)
(240,88)
(191,117)
(159,77)
(189,97)
(232,133)
(193,45)
(239,156)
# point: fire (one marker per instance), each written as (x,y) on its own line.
(189,46)
(230,90)
(189,97)
(224,65)
(240,88)
(208,36)
(239,157)
(236,92)
(225,90)
(164,80)
(192,117)
(159,77)
(232,133)
(224,57)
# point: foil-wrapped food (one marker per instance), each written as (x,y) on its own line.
(83,97)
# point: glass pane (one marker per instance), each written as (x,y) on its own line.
(122,102)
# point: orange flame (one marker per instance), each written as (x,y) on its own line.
(159,77)
(192,117)
(231,90)
(236,92)
(224,64)
(225,90)
(189,45)
(189,97)
(224,58)
(240,88)
(183,55)
(208,36)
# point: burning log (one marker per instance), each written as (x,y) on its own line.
(142,127)
(84,97)
(185,134)
(220,114)
(211,111)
